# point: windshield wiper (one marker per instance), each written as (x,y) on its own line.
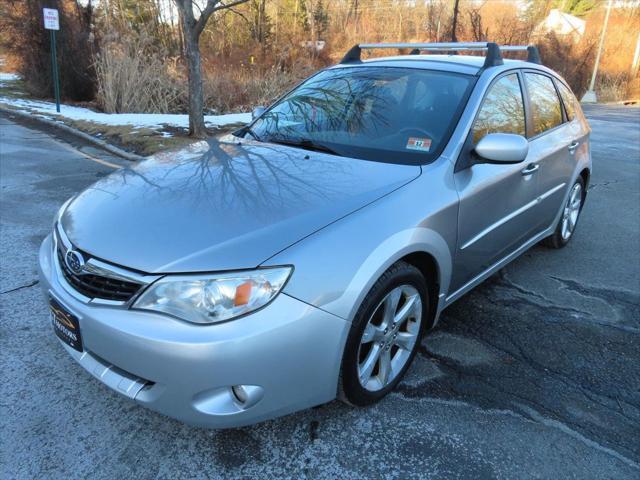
(250,131)
(305,144)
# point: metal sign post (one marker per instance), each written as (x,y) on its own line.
(52,23)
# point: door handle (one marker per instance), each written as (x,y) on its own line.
(572,146)
(531,168)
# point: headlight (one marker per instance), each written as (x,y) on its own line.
(214,298)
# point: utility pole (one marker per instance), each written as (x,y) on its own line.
(635,65)
(590,96)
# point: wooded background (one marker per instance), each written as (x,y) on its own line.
(129,55)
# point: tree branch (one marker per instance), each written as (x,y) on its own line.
(229,5)
(204,16)
(240,14)
(211,7)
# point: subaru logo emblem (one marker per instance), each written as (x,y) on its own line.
(74,261)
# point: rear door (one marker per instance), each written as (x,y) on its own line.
(552,143)
(497,211)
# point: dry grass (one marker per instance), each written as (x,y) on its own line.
(143,141)
(132,77)
(614,88)
(10,61)
(135,76)
(241,89)
(13,89)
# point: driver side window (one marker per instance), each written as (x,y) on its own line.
(502,110)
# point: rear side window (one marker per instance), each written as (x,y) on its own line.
(569,101)
(545,104)
(502,110)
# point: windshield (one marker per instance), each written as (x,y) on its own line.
(387,114)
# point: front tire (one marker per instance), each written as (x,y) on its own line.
(570,214)
(384,336)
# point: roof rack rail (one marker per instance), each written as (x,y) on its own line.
(493,58)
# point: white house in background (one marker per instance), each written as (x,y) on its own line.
(562,24)
(318,45)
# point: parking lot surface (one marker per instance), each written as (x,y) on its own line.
(534,374)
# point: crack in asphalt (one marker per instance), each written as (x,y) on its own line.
(565,379)
(502,388)
(585,316)
(532,416)
(602,294)
(603,184)
(481,399)
(578,436)
(535,365)
(607,295)
(28,285)
(505,281)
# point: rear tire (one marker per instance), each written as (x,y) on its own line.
(569,219)
(384,336)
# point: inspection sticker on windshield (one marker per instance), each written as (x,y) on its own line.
(422,144)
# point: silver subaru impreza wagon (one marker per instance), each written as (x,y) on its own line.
(304,257)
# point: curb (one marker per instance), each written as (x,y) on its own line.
(73,131)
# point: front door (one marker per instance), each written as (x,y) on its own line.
(498,202)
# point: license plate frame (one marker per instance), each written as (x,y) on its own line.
(65,324)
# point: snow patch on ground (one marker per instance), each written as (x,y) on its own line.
(153,121)
(9,77)
(5,78)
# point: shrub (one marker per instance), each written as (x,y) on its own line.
(574,61)
(242,87)
(134,76)
(613,88)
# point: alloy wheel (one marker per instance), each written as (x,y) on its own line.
(389,338)
(571,212)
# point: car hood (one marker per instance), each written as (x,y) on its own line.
(221,205)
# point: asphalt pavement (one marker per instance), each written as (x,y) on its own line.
(534,374)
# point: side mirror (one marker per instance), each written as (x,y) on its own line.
(503,148)
(257,112)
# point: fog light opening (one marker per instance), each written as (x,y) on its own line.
(246,396)
(240,394)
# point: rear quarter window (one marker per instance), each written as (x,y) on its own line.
(569,101)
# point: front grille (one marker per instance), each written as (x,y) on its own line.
(98,286)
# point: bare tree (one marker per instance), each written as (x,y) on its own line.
(192,29)
(475,21)
(454,22)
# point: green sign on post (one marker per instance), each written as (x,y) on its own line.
(52,23)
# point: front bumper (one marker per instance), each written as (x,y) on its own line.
(290,350)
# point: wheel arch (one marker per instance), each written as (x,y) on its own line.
(586,175)
(428,266)
(422,247)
